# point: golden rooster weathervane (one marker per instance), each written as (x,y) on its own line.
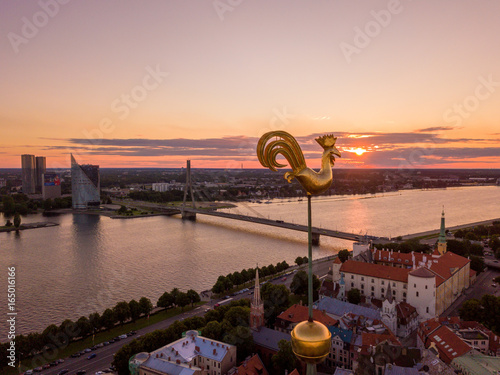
(310,339)
(286,145)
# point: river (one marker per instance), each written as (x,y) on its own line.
(90,262)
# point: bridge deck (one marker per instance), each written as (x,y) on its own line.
(282,224)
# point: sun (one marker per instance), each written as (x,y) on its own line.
(359,151)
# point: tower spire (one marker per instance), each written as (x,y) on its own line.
(442,236)
(256,295)
(257,305)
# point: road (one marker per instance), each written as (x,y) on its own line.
(105,354)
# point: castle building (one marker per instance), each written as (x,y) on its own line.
(431,283)
(256,306)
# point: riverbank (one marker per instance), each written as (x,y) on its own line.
(435,232)
(28,226)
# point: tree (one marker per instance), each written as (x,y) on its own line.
(166,300)
(95,321)
(122,210)
(135,310)
(8,223)
(284,360)
(17,221)
(343,255)
(47,204)
(8,204)
(84,327)
(238,316)
(354,296)
(121,311)
(477,263)
(238,278)
(299,285)
(299,261)
(471,310)
(276,300)
(193,296)
(240,336)
(145,305)
(212,330)
(108,319)
(182,300)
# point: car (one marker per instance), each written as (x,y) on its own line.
(99,345)
(117,338)
(75,355)
(60,360)
(283,278)
(55,363)
(88,350)
(81,372)
(106,343)
(133,332)
(46,366)
(63,371)
(93,355)
(123,336)
(29,372)
(38,369)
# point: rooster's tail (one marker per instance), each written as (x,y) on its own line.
(284,144)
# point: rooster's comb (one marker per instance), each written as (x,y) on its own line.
(326,140)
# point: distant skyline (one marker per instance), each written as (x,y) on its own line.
(402,84)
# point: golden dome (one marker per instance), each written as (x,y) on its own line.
(311,341)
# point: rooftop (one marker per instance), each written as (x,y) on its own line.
(250,366)
(269,338)
(191,346)
(338,308)
(375,270)
(299,313)
(477,364)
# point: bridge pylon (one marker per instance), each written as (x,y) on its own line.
(188,186)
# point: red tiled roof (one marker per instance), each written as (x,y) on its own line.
(405,310)
(395,257)
(294,372)
(299,313)
(375,270)
(252,366)
(337,260)
(472,273)
(422,272)
(448,264)
(449,345)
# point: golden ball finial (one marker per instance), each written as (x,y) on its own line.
(311,341)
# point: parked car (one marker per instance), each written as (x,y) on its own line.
(81,372)
(93,355)
(88,350)
(63,371)
(123,336)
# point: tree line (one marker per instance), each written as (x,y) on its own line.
(54,336)
(225,283)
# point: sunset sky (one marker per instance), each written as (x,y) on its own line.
(402,84)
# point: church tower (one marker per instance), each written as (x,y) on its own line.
(256,306)
(341,295)
(441,246)
(389,314)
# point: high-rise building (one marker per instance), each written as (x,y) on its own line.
(51,185)
(40,169)
(28,173)
(85,185)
